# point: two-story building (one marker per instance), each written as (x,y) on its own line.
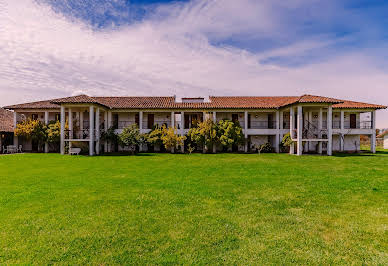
(316,124)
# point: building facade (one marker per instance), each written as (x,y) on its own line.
(6,129)
(316,124)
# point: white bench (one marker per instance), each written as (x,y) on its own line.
(74,151)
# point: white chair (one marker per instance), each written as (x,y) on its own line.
(20,149)
(5,149)
(74,151)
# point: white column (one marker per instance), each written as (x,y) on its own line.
(81,122)
(300,130)
(91,130)
(373,137)
(320,121)
(70,126)
(215,121)
(330,131)
(292,123)
(46,121)
(246,130)
(106,129)
(173,119)
(109,123)
(15,122)
(183,129)
(141,121)
(277,148)
(310,118)
(97,130)
(342,127)
(63,121)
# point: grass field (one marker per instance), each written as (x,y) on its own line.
(194,209)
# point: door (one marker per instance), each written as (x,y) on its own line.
(270,121)
(249,120)
(137,119)
(187,122)
(35,146)
(150,121)
(353,121)
(115,121)
(234,118)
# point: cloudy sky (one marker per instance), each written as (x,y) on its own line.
(52,48)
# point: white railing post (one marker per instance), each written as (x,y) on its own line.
(97,130)
(246,130)
(320,121)
(277,148)
(330,131)
(70,126)
(15,122)
(63,121)
(46,121)
(105,129)
(373,137)
(292,125)
(300,131)
(91,130)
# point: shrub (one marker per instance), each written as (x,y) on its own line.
(32,129)
(171,139)
(286,142)
(229,133)
(265,148)
(131,137)
(205,134)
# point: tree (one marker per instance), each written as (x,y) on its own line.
(131,137)
(32,129)
(155,136)
(110,135)
(204,134)
(171,139)
(229,133)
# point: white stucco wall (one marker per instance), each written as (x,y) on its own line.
(386,142)
(351,143)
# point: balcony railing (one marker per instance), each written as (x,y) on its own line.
(262,125)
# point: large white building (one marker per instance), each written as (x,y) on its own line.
(317,124)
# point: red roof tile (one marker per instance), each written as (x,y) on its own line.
(358,105)
(216,102)
(6,121)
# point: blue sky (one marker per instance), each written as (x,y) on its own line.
(55,48)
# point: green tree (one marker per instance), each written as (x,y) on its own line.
(32,129)
(229,133)
(171,139)
(155,136)
(131,137)
(204,134)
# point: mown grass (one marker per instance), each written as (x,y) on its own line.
(194,209)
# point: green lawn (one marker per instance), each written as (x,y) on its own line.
(194,209)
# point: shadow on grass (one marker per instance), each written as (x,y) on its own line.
(362,153)
(127,154)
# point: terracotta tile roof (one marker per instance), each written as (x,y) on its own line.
(137,102)
(216,102)
(251,102)
(79,99)
(383,134)
(6,121)
(317,99)
(34,105)
(358,105)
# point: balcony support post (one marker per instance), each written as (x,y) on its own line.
(183,129)
(15,123)
(246,130)
(277,147)
(214,121)
(373,137)
(105,129)
(292,126)
(300,131)
(46,121)
(97,130)
(91,130)
(330,131)
(342,126)
(320,126)
(62,145)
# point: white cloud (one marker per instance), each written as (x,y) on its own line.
(44,54)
